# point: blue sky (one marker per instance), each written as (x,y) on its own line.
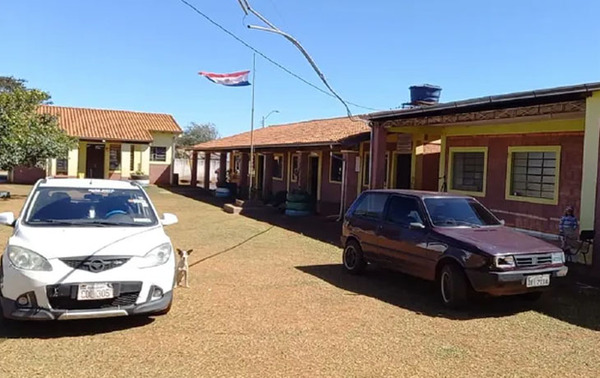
(144,55)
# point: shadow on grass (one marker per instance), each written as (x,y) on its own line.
(315,227)
(71,328)
(568,302)
(564,302)
(198,194)
(575,304)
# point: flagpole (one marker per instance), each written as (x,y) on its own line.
(252,127)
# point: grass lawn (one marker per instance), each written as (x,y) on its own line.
(266,301)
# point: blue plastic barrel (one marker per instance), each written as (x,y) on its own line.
(425,93)
(222,193)
(297,213)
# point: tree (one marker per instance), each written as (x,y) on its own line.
(9,83)
(196,133)
(26,136)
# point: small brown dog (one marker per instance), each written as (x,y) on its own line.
(183,267)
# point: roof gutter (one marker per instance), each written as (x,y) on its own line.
(109,140)
(292,145)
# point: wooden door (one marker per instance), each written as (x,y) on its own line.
(94,165)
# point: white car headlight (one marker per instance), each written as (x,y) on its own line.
(504,262)
(157,256)
(558,258)
(26,259)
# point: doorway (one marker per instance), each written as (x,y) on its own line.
(313,176)
(260,173)
(94,163)
(403,168)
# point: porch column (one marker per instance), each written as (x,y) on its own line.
(596,224)
(442,166)
(416,175)
(350,178)
(194,179)
(303,171)
(244,165)
(590,162)
(72,162)
(378,148)
(267,184)
(222,167)
(126,160)
(207,170)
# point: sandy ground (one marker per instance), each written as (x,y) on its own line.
(278,304)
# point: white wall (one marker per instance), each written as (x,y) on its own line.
(125,160)
(73,165)
(143,158)
(163,140)
(183,167)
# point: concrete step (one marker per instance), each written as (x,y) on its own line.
(232,209)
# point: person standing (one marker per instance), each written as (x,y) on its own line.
(567,229)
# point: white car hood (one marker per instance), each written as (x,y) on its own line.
(59,242)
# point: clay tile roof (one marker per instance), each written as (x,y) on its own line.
(101,124)
(315,132)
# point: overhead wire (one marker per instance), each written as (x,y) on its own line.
(279,15)
(276,64)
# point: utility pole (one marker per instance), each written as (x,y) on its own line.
(252,128)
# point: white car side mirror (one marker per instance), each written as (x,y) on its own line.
(502,222)
(7,219)
(416,226)
(169,219)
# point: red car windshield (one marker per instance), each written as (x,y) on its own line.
(456,212)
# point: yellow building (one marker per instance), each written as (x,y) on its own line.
(113,144)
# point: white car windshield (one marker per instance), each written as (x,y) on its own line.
(456,212)
(90,206)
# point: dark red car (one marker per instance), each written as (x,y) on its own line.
(451,239)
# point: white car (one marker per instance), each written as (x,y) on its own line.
(86,248)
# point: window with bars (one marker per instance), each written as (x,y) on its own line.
(387,170)
(533,174)
(62,167)
(237,163)
(115,158)
(367,169)
(335,167)
(158,153)
(295,167)
(468,170)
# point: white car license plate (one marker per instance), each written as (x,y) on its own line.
(538,280)
(95,291)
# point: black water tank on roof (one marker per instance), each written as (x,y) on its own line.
(425,94)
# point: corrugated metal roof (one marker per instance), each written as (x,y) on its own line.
(538,96)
